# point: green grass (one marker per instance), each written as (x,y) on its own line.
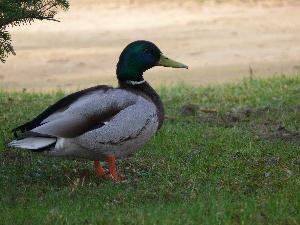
(232,158)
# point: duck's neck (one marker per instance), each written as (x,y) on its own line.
(144,88)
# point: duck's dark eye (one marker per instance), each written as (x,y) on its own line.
(146,50)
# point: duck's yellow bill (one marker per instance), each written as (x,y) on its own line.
(167,62)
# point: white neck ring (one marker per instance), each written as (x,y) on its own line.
(135,82)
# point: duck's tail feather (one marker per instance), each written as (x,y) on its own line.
(36,143)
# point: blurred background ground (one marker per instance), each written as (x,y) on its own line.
(220,41)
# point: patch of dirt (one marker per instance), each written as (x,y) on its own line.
(189,109)
(282,134)
(220,41)
(295,109)
(232,118)
(255,120)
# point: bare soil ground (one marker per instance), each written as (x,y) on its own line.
(220,41)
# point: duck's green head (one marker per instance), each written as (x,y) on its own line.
(140,56)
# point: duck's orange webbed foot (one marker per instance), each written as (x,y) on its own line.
(113,169)
(113,174)
(99,169)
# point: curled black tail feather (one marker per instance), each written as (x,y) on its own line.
(21,128)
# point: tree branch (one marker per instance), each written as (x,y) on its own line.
(18,12)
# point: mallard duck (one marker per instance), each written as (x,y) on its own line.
(102,122)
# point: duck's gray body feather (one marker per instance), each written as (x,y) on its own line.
(124,134)
(101,123)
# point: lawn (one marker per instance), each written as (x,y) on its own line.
(226,154)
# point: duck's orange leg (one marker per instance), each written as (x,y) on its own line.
(99,169)
(113,169)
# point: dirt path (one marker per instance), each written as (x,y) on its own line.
(219,41)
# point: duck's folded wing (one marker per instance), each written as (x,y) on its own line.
(59,106)
(85,113)
(139,119)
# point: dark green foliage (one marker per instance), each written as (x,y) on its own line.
(5,45)
(20,12)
